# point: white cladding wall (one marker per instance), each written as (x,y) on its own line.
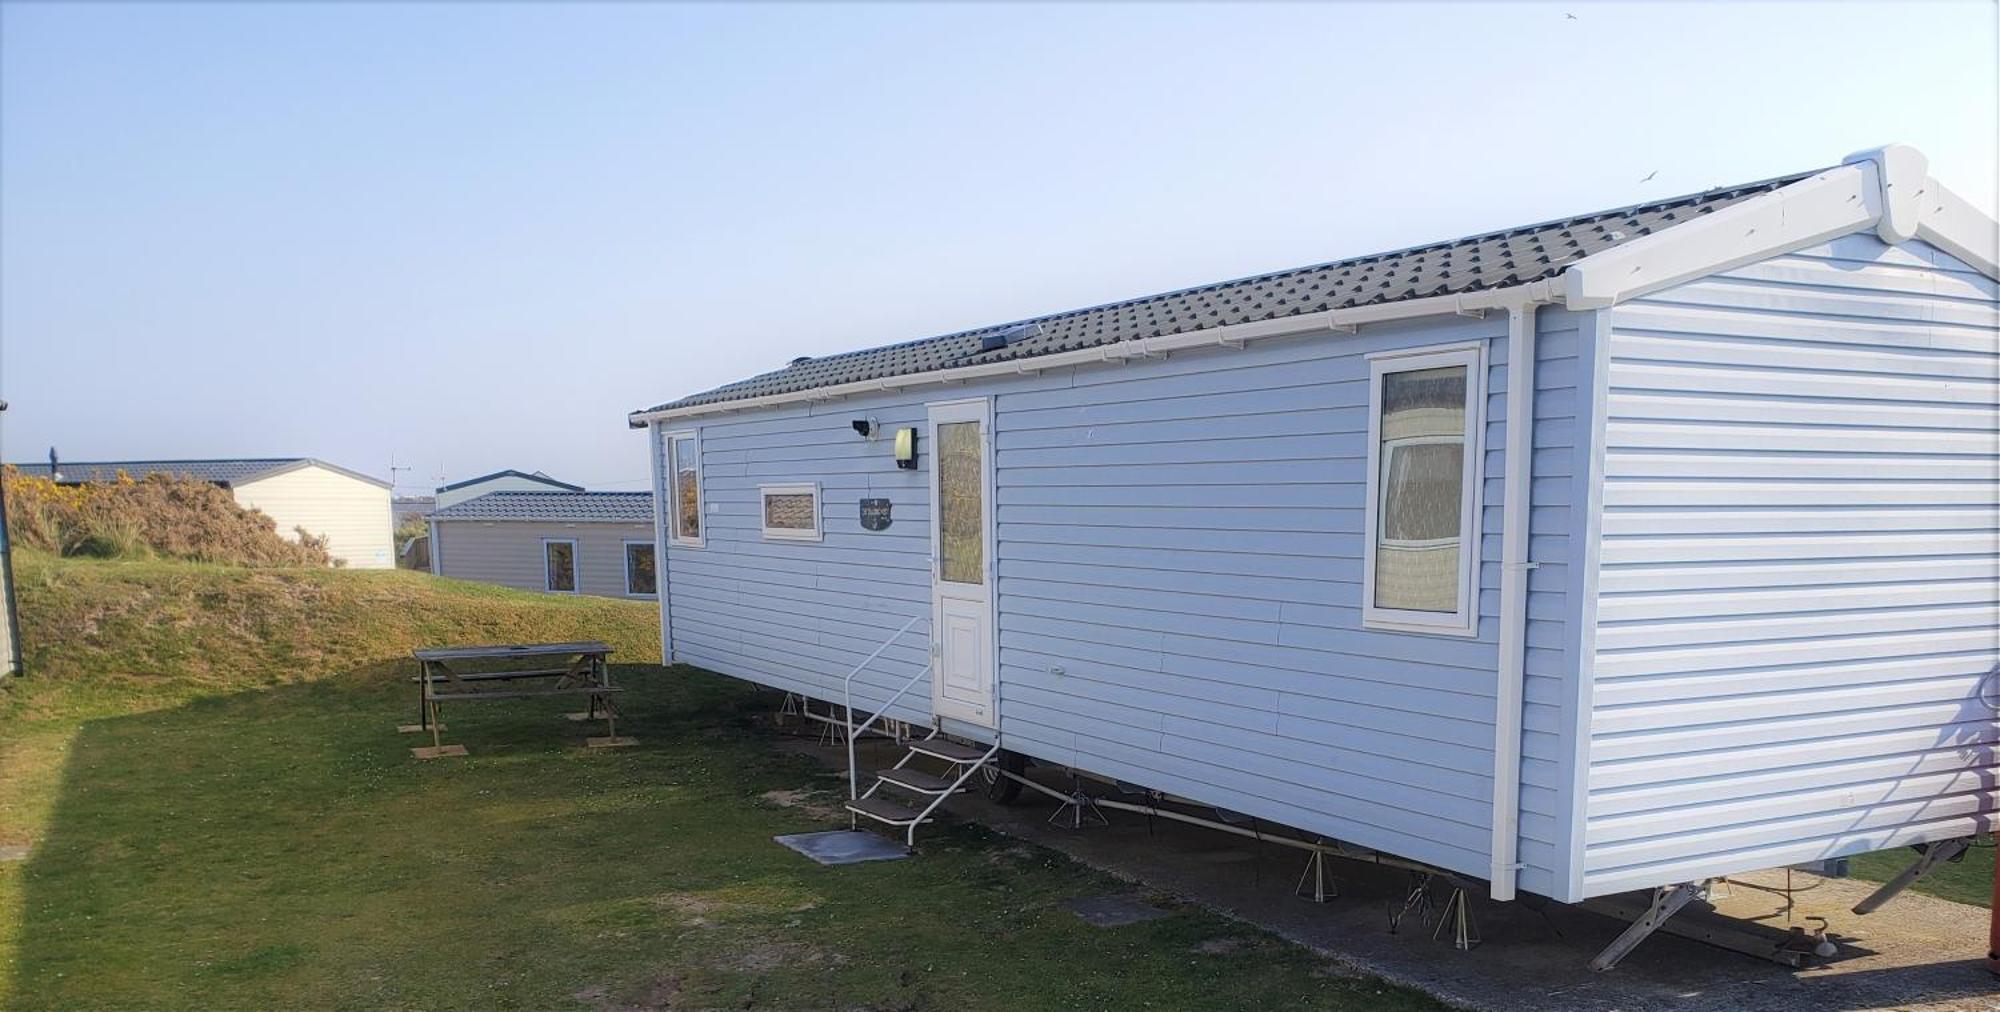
(509,552)
(353,515)
(1798,566)
(1183,540)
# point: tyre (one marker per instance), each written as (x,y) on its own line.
(1004,790)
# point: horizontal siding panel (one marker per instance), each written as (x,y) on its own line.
(1667,767)
(1799,592)
(1795,410)
(1776,786)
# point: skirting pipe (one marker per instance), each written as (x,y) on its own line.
(1514,567)
(1329,849)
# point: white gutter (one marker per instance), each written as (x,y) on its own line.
(1514,567)
(1233,336)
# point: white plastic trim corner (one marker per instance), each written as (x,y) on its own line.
(1902,172)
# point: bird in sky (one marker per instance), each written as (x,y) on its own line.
(1567,15)
(1650,175)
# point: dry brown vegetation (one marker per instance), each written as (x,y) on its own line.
(152,517)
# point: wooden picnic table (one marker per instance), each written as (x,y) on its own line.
(566,669)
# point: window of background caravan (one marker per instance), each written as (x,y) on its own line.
(641,579)
(683,451)
(559,566)
(1425,421)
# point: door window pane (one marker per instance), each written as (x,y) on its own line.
(639,575)
(561,558)
(1418,555)
(961,485)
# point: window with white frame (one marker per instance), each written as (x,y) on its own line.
(559,565)
(791,512)
(1425,420)
(683,450)
(641,579)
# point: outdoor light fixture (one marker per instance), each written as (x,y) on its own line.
(906,449)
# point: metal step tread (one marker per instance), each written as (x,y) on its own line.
(915,780)
(948,750)
(883,810)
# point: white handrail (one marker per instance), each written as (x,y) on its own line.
(847,703)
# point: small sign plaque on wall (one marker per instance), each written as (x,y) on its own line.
(874,514)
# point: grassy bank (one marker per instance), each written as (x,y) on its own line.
(220,816)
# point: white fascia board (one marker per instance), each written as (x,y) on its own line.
(1958,228)
(1234,336)
(1814,210)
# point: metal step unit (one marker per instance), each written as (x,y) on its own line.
(960,761)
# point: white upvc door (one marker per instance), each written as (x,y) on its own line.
(962,625)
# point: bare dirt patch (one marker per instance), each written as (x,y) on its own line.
(735,903)
(1224,946)
(816,803)
(661,994)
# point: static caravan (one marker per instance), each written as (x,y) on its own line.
(1712,587)
(347,508)
(598,543)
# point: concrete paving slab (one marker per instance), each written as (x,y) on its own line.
(844,846)
(1918,953)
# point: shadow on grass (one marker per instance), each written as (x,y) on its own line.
(280,848)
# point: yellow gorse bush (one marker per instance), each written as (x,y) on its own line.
(155,516)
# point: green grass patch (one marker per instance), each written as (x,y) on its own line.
(1968,880)
(221,816)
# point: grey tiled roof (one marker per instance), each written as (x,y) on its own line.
(220,471)
(554,507)
(1494,260)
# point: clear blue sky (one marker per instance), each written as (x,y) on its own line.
(475,236)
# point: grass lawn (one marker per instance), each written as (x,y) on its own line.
(258,837)
(218,815)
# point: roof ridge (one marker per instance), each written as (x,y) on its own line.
(1247,279)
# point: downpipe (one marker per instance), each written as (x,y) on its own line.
(1514,567)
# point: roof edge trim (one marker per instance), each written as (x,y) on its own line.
(1885,190)
(306,462)
(1232,336)
(511,473)
(1821,207)
(1951,224)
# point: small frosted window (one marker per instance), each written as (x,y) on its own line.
(791,511)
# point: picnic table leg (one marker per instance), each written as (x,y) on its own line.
(600,676)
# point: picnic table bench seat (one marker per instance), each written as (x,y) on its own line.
(579,690)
